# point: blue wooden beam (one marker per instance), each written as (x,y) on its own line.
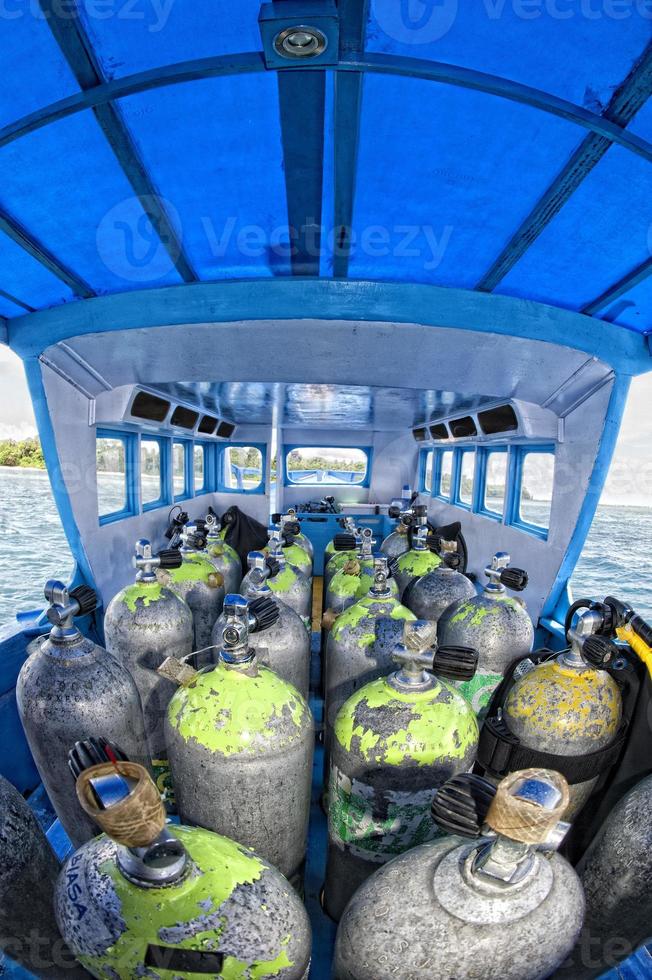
(301,103)
(14,230)
(623,106)
(292,298)
(383,64)
(70,35)
(348,102)
(17,302)
(638,274)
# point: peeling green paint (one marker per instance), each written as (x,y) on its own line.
(232,711)
(369,609)
(475,610)
(147,591)
(151,915)
(478,690)
(442,724)
(339,560)
(418,563)
(284,580)
(343,584)
(296,556)
(220,547)
(195,568)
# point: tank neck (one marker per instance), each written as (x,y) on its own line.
(412,677)
(235,650)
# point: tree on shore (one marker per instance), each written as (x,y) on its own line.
(26,452)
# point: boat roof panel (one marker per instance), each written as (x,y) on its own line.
(144,145)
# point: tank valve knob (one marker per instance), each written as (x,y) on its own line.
(273,565)
(292,527)
(394,512)
(263,613)
(344,542)
(170,558)
(456,663)
(86,599)
(92,752)
(599,651)
(176,523)
(452,561)
(392,567)
(515,579)
(420,510)
(461,805)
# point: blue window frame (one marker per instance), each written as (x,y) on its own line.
(492,482)
(200,468)
(116,472)
(464,478)
(241,468)
(443,474)
(532,474)
(426,470)
(153,472)
(181,469)
(309,466)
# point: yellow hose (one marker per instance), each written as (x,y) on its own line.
(639,646)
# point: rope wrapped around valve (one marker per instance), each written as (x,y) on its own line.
(521,819)
(134,821)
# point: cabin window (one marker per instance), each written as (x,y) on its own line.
(327,466)
(494,487)
(179,470)
(242,469)
(427,460)
(151,473)
(114,466)
(465,478)
(199,468)
(444,477)
(534,485)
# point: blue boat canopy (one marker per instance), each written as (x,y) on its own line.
(501,147)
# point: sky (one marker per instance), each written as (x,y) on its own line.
(629,481)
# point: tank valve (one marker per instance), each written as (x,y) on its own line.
(263,613)
(418,655)
(461,805)
(146,562)
(501,575)
(192,539)
(345,541)
(64,606)
(381,575)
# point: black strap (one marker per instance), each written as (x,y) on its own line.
(500,752)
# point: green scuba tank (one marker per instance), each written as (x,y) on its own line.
(347,545)
(146,899)
(300,539)
(352,581)
(430,596)
(295,555)
(240,744)
(286,582)
(493,623)
(220,554)
(198,583)
(416,562)
(395,741)
(347,524)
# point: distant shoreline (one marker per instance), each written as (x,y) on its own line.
(24,469)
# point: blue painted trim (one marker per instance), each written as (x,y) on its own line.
(437,475)
(457,495)
(186,494)
(22,237)
(629,281)
(132,487)
(517,458)
(206,486)
(221,484)
(326,299)
(163,500)
(83,573)
(556,604)
(423,465)
(288,448)
(483,454)
(383,64)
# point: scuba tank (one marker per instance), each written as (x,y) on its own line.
(300,539)
(395,740)
(144,624)
(429,596)
(283,645)
(295,556)
(418,561)
(352,581)
(498,904)
(222,556)
(68,687)
(28,873)
(146,899)
(347,545)
(286,582)
(493,623)
(347,525)
(564,712)
(350,661)
(198,583)
(240,743)
(398,541)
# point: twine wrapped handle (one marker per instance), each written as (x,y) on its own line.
(527,820)
(328,619)
(136,820)
(352,567)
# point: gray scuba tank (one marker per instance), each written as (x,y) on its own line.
(419,559)
(286,582)
(198,583)
(347,525)
(240,743)
(222,556)
(68,688)
(495,624)
(430,595)
(398,541)
(147,899)
(143,624)
(28,873)
(283,645)
(395,741)
(501,904)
